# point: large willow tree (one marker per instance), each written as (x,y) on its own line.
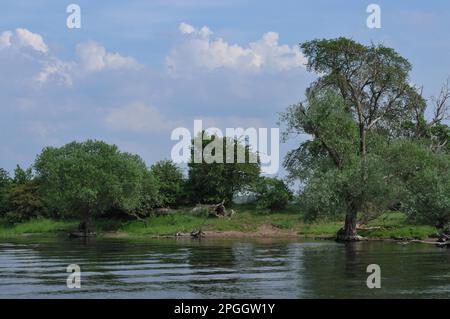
(370,88)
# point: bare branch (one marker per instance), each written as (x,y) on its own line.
(441,104)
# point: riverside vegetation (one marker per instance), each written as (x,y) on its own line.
(373,165)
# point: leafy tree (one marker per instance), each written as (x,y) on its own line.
(423,178)
(151,196)
(5,182)
(87,179)
(272,193)
(373,84)
(22,176)
(170,178)
(24,202)
(217,181)
(428,199)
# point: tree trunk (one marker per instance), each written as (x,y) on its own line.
(87,225)
(348,233)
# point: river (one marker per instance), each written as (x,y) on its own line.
(232,268)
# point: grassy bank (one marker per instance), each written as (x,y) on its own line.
(246,222)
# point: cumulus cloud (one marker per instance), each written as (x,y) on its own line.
(199,49)
(137,117)
(22,38)
(5,39)
(34,40)
(57,69)
(90,57)
(93,57)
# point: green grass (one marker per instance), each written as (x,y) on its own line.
(247,219)
(395,225)
(37,226)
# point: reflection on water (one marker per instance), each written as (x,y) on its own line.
(36,268)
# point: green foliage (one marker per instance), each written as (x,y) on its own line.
(332,193)
(24,202)
(428,199)
(151,196)
(21,200)
(361,101)
(171,182)
(373,80)
(217,181)
(89,178)
(22,176)
(272,193)
(5,183)
(325,117)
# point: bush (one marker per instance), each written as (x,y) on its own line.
(429,197)
(24,203)
(5,183)
(273,194)
(170,179)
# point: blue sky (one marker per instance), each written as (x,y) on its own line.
(137,69)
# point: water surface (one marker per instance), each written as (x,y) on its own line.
(113,268)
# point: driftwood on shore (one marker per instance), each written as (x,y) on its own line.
(219,210)
(428,242)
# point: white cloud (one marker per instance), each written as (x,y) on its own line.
(34,40)
(137,117)
(23,38)
(5,39)
(57,69)
(90,58)
(199,49)
(186,28)
(93,57)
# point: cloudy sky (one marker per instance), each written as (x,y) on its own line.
(138,69)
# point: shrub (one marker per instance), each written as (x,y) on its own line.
(273,194)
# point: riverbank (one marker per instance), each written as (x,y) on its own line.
(245,223)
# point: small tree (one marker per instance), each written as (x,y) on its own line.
(218,181)
(24,202)
(87,179)
(5,182)
(272,193)
(170,178)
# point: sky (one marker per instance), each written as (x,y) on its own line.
(136,70)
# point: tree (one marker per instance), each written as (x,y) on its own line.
(217,181)
(24,202)
(22,176)
(5,182)
(435,131)
(328,163)
(170,178)
(87,179)
(373,83)
(20,199)
(272,193)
